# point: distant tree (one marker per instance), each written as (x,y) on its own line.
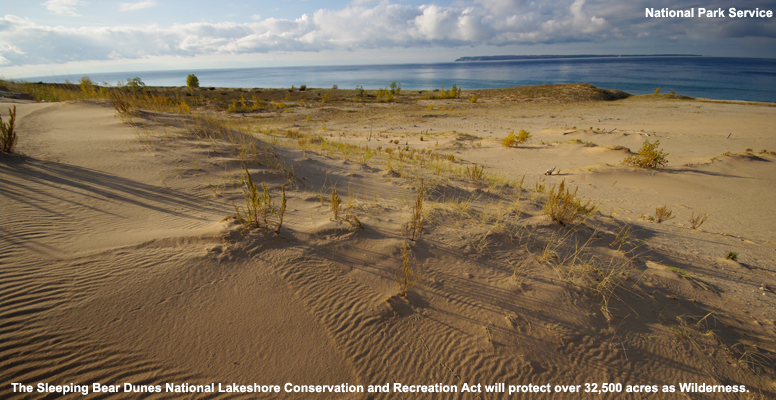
(192,81)
(134,85)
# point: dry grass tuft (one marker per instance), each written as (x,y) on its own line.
(336,203)
(690,277)
(408,277)
(564,207)
(663,214)
(575,264)
(8,137)
(475,172)
(414,227)
(696,222)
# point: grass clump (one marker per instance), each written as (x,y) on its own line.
(513,140)
(336,203)
(696,222)
(8,137)
(475,173)
(732,255)
(650,156)
(565,207)
(663,214)
(259,207)
(408,277)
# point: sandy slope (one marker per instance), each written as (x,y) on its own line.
(117,266)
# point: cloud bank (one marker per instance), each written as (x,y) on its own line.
(364,26)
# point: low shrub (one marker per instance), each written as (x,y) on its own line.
(649,156)
(513,140)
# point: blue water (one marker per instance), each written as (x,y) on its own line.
(751,79)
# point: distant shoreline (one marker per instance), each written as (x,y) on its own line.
(550,57)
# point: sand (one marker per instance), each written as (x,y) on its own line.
(118,265)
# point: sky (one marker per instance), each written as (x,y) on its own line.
(48,37)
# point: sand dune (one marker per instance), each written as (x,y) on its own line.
(118,265)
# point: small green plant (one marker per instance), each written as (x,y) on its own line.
(259,208)
(302,88)
(513,140)
(657,90)
(336,202)
(732,255)
(696,222)
(564,207)
(663,214)
(473,99)
(192,81)
(408,277)
(8,137)
(414,227)
(650,156)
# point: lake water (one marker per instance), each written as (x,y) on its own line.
(751,79)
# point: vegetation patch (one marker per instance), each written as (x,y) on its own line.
(8,136)
(650,156)
(565,207)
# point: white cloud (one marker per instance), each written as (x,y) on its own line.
(63,7)
(137,5)
(361,25)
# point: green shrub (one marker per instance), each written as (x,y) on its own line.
(648,157)
(395,88)
(8,136)
(192,81)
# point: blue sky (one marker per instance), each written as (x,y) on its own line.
(42,37)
